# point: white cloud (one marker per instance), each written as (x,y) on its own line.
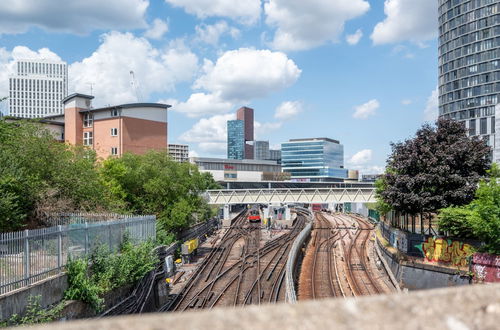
(193,153)
(411,20)
(17,16)
(361,157)
(361,161)
(288,110)
(246,11)
(366,110)
(353,39)
(208,130)
(303,24)
(200,104)
(245,74)
(262,130)
(8,63)
(406,102)
(210,34)
(108,69)
(157,30)
(431,110)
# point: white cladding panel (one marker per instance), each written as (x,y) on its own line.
(146,113)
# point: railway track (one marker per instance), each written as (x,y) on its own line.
(239,271)
(337,263)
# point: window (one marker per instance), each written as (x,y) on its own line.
(114,151)
(114,113)
(482,125)
(88,119)
(472,127)
(492,124)
(114,132)
(87,138)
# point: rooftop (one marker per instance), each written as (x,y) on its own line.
(314,139)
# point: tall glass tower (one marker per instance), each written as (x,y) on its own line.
(469,64)
(235,139)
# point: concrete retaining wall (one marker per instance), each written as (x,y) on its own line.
(415,276)
(50,290)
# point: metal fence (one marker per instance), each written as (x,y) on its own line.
(33,255)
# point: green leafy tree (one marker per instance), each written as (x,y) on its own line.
(155,184)
(485,217)
(439,167)
(455,221)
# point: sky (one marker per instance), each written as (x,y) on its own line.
(360,71)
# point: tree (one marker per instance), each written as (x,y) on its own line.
(485,216)
(439,167)
(155,184)
(39,174)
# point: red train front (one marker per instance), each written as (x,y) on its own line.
(254,214)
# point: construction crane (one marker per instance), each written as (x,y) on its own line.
(135,86)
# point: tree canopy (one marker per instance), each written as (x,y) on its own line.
(441,166)
(39,174)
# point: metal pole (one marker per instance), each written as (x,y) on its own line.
(59,246)
(26,257)
(86,238)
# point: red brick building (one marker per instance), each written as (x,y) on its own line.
(114,130)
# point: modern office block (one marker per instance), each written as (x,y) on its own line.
(37,88)
(247,116)
(261,150)
(313,160)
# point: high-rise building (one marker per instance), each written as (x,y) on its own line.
(235,139)
(38,88)
(261,150)
(496,151)
(469,64)
(313,160)
(275,154)
(179,152)
(246,115)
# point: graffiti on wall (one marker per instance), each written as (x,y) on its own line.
(447,251)
(398,240)
(486,267)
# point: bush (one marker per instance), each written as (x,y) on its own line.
(455,222)
(35,313)
(103,271)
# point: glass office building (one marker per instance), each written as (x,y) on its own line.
(313,160)
(261,150)
(235,139)
(469,64)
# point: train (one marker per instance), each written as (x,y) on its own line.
(254,214)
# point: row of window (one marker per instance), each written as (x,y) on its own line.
(446,63)
(465,6)
(471,103)
(210,166)
(472,48)
(482,15)
(38,95)
(470,71)
(468,38)
(470,92)
(476,80)
(472,113)
(32,85)
(468,12)
(50,69)
(88,140)
(37,103)
(88,117)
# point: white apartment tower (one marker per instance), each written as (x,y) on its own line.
(179,152)
(37,88)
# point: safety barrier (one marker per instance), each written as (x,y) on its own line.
(291,295)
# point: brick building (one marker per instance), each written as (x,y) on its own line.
(114,130)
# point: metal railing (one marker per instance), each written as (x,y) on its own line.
(29,256)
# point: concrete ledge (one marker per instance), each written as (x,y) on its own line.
(474,307)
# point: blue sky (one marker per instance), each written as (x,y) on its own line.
(360,71)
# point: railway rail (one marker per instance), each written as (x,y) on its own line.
(241,270)
(337,261)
